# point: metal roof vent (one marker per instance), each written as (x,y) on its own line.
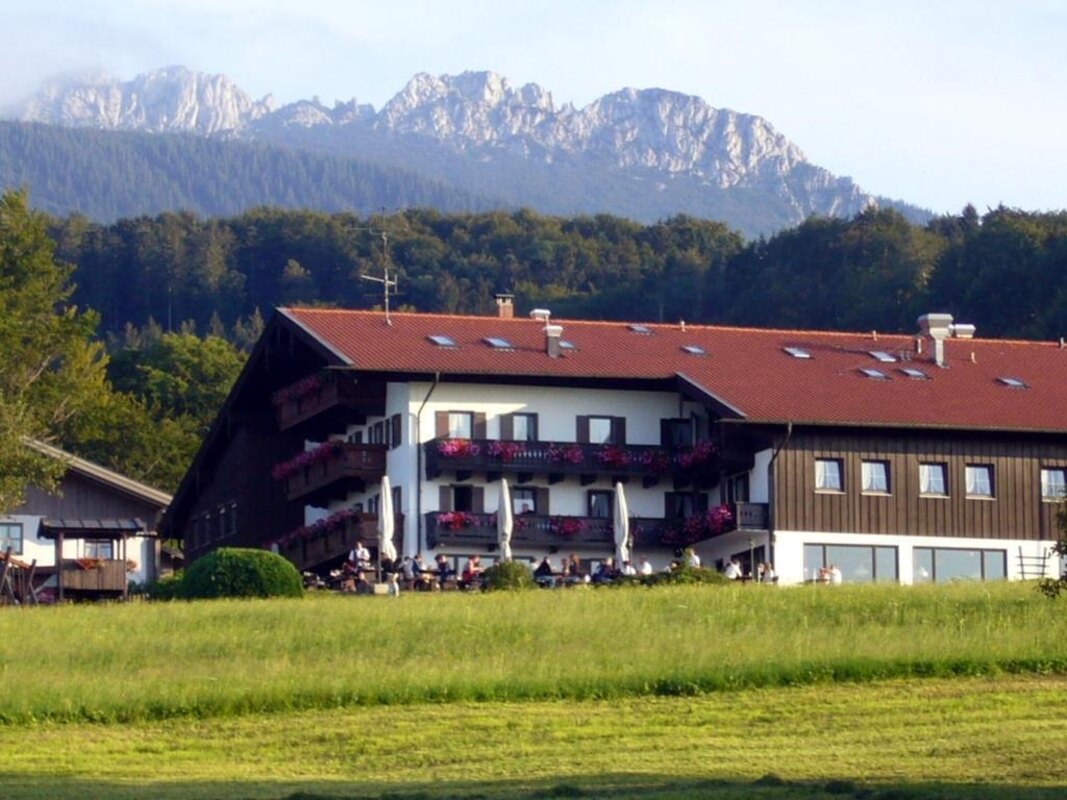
(540,314)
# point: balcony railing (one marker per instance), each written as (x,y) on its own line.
(354,466)
(317,547)
(560,459)
(478,531)
(323,403)
(93,575)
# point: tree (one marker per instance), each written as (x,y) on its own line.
(51,368)
(1053,587)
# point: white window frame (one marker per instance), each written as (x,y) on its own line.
(928,469)
(457,420)
(979,481)
(1053,484)
(876,481)
(822,475)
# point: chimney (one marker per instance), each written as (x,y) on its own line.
(553,333)
(505,306)
(540,314)
(937,327)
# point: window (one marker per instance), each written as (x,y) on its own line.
(600,502)
(676,433)
(828,476)
(694,350)
(98,548)
(941,564)
(396,426)
(797,352)
(11,536)
(460,426)
(376,434)
(498,343)
(875,374)
(443,341)
(737,488)
(915,374)
(979,480)
(875,476)
(858,563)
(883,356)
(600,430)
(566,345)
(1054,484)
(678,505)
(932,481)
(1014,383)
(644,330)
(524,427)
(524,500)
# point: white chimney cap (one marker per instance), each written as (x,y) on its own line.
(554,330)
(541,314)
(935,325)
(962,331)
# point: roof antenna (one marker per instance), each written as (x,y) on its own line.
(386,282)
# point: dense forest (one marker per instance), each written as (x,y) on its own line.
(107,175)
(1003,271)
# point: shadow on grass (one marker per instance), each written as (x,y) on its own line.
(625,787)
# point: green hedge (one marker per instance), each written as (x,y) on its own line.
(241,572)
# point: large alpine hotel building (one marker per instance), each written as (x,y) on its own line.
(926,457)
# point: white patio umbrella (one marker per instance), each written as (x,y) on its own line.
(386,548)
(622,527)
(504,521)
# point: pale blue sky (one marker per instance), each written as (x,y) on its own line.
(937,103)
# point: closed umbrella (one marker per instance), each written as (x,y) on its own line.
(504,521)
(622,527)
(386,523)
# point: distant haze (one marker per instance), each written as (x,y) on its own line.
(942,104)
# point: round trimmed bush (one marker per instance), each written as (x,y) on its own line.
(508,575)
(241,572)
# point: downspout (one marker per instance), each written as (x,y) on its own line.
(770,491)
(418,464)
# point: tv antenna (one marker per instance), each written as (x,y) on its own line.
(388,283)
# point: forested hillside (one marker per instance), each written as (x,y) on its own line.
(109,175)
(1002,271)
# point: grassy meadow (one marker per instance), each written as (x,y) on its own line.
(878,691)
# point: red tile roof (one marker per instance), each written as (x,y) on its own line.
(746,367)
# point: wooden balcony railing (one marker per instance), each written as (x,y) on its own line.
(467,530)
(351,469)
(324,403)
(104,575)
(319,547)
(560,459)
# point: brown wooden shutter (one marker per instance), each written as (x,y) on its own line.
(478,499)
(507,427)
(618,430)
(479,426)
(397,437)
(541,501)
(583,429)
(441,423)
(444,502)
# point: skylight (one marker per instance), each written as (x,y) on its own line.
(883,356)
(797,352)
(642,329)
(917,374)
(441,340)
(566,345)
(498,343)
(1014,383)
(876,374)
(694,350)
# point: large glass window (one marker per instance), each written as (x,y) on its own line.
(979,480)
(524,427)
(858,563)
(98,548)
(932,480)
(460,425)
(11,536)
(600,430)
(600,503)
(828,475)
(942,564)
(524,500)
(875,477)
(1054,484)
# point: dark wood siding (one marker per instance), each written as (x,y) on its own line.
(81,497)
(1016,512)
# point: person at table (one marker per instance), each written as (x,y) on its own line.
(445,572)
(362,584)
(472,572)
(628,569)
(733,570)
(359,556)
(605,571)
(543,574)
(574,568)
(835,575)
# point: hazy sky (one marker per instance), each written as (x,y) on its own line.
(936,102)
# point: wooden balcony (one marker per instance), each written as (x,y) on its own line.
(327,403)
(334,544)
(750,516)
(351,470)
(557,460)
(106,576)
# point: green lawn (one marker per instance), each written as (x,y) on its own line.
(862,692)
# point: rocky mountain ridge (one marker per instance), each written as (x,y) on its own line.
(461,128)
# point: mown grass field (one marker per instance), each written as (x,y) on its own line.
(956,691)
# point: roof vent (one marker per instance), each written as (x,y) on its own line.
(540,314)
(961,331)
(937,327)
(553,333)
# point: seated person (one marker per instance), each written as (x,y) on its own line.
(445,572)
(628,569)
(472,572)
(362,584)
(733,570)
(543,574)
(605,571)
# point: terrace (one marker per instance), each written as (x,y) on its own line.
(332,538)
